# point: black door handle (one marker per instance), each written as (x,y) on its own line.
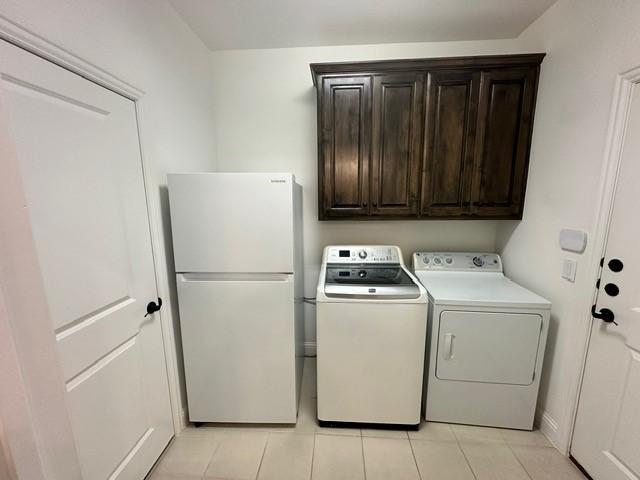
(604,314)
(153,307)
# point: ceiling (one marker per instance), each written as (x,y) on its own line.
(242,24)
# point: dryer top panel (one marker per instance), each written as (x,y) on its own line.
(457,262)
(491,289)
(471,279)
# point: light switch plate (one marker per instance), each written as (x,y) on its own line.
(569,268)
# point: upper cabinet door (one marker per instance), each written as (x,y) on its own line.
(505,117)
(345,139)
(449,143)
(397,138)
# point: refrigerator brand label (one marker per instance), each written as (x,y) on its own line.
(275,180)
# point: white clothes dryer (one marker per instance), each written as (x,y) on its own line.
(486,337)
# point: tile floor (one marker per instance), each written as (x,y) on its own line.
(437,451)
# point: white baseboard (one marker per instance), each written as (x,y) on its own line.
(550,429)
(309,349)
(184,419)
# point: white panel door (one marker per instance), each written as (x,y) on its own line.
(238,341)
(606,439)
(78,149)
(232,222)
(491,347)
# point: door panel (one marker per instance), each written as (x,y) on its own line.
(505,115)
(450,135)
(232,213)
(606,439)
(625,437)
(78,148)
(106,403)
(346,136)
(239,347)
(488,347)
(397,134)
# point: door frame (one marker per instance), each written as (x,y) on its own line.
(618,121)
(31,42)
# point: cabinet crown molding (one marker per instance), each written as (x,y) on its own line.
(425,64)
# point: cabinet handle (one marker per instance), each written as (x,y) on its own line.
(375,204)
(364,204)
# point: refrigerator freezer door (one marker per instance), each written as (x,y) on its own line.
(232,222)
(239,347)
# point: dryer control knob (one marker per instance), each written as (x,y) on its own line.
(362,254)
(478,261)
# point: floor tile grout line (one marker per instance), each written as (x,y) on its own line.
(313,455)
(264,450)
(415,460)
(215,450)
(464,455)
(519,462)
(364,463)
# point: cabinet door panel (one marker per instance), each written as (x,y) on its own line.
(397,135)
(505,116)
(449,141)
(345,145)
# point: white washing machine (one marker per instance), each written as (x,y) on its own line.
(371,332)
(487,338)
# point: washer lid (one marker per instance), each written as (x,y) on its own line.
(483,289)
(369,281)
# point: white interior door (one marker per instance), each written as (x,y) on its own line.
(606,439)
(77,145)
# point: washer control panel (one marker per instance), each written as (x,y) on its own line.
(457,261)
(363,254)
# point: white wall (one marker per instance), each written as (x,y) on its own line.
(265,108)
(146,44)
(587,44)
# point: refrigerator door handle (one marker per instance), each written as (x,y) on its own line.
(235,277)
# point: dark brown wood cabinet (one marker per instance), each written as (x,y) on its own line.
(428,138)
(449,143)
(505,121)
(396,142)
(345,145)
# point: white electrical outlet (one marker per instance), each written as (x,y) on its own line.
(569,268)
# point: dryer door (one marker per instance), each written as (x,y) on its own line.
(489,347)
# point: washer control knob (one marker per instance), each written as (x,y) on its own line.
(362,254)
(448,260)
(437,261)
(478,261)
(425,260)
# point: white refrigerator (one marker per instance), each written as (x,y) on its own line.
(237,242)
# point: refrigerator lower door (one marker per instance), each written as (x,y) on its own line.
(239,347)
